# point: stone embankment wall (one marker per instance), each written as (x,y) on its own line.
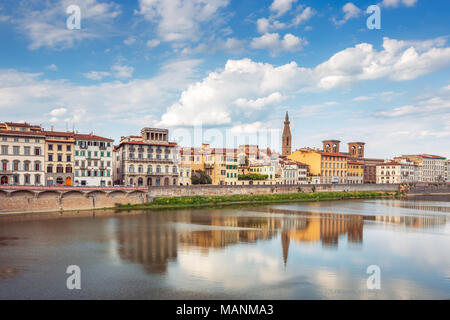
(42,199)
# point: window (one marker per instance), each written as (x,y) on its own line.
(37,166)
(59,147)
(4,149)
(26,151)
(59,157)
(68,147)
(16,150)
(68,158)
(50,157)
(50,147)
(37,151)
(50,169)
(37,179)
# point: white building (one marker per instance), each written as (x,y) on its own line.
(93,160)
(293,172)
(147,160)
(398,172)
(433,167)
(185,176)
(21,154)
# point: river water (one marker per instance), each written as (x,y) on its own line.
(318,250)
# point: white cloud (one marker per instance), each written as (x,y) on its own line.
(259,103)
(45,24)
(273,43)
(180,20)
(52,67)
(129,41)
(350,11)
(122,72)
(306,14)
(397,3)
(264,25)
(110,102)
(153,43)
(362,98)
(280,7)
(58,112)
(96,75)
(433,105)
(212,101)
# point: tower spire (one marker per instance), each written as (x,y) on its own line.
(286,138)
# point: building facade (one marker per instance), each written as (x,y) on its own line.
(222,165)
(355,172)
(433,167)
(93,160)
(59,161)
(331,166)
(185,176)
(21,154)
(293,172)
(147,160)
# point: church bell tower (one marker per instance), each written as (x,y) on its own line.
(286,138)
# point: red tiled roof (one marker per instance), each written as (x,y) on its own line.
(392,163)
(23,124)
(431,156)
(91,137)
(58,134)
(355,162)
(22,133)
(332,154)
(171,144)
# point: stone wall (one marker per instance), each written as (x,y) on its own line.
(63,199)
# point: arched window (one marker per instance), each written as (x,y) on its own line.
(68,169)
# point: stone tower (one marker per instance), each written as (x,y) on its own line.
(331,146)
(287,139)
(356,149)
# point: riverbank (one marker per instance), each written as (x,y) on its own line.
(212,201)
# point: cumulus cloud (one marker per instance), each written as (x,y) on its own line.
(180,20)
(115,101)
(306,14)
(273,43)
(280,7)
(259,103)
(226,94)
(58,112)
(45,23)
(350,11)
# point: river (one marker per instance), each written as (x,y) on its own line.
(319,250)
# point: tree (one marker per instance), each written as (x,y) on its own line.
(200,177)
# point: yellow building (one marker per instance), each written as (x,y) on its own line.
(59,159)
(220,164)
(330,166)
(269,170)
(355,172)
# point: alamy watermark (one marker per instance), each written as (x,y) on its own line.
(374,280)
(73,22)
(374,21)
(74,280)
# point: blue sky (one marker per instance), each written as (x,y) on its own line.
(232,69)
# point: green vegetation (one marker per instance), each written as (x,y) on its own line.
(200,177)
(200,201)
(254,176)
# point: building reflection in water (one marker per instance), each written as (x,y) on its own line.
(154,239)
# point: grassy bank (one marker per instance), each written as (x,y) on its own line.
(202,201)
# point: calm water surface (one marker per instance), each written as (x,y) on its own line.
(283,251)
